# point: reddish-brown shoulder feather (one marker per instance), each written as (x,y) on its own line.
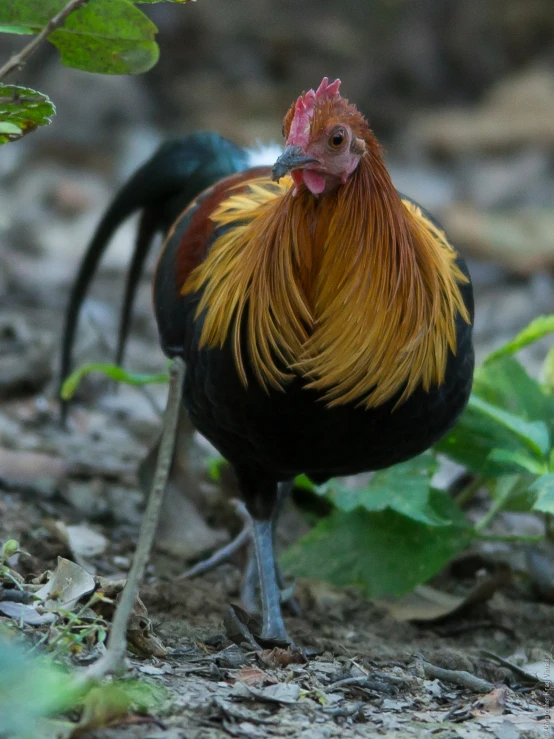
(198,226)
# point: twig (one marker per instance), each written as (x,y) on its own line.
(15,596)
(529,677)
(458,677)
(17,60)
(343,711)
(117,642)
(379,686)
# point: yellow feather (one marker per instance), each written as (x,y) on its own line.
(357,292)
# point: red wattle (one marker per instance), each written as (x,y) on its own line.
(314,181)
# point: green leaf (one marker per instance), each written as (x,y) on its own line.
(404,488)
(104,36)
(22,110)
(112,371)
(538,328)
(516,459)
(533,434)
(505,383)
(471,440)
(518,498)
(384,553)
(303,482)
(29,690)
(20,30)
(477,433)
(146,696)
(10,128)
(543,488)
(214,467)
(548,373)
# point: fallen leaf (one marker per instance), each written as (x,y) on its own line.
(69,582)
(279,693)
(494,703)
(150,670)
(279,657)
(253,676)
(82,541)
(140,635)
(516,112)
(426,604)
(26,614)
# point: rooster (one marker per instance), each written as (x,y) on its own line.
(324,319)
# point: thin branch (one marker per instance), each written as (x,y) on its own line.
(529,677)
(458,677)
(17,60)
(117,642)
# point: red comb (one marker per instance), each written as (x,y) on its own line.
(327,91)
(304,110)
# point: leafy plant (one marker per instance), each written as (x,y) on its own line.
(34,689)
(137,379)
(399,530)
(30,689)
(102,36)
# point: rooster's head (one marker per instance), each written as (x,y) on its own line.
(325,138)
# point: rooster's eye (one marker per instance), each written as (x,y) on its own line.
(337,139)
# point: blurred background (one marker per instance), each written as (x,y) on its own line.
(460,92)
(461,95)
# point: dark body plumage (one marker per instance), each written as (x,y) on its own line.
(273,435)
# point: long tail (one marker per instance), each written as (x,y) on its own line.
(178,172)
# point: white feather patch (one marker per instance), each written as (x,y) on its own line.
(264,154)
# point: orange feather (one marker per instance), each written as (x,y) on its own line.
(356,291)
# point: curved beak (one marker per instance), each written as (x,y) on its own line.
(292,158)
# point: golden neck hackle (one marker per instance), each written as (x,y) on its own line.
(356,291)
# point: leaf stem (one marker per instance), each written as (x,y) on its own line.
(509,538)
(497,505)
(16,61)
(468,492)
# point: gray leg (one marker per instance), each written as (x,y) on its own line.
(249,584)
(273,627)
(250,580)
